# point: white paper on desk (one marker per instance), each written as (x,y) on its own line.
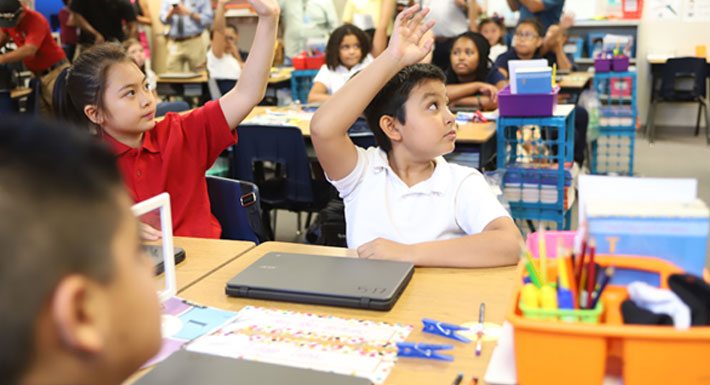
(501,368)
(513,67)
(634,189)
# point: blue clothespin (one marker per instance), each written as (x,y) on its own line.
(428,351)
(444,329)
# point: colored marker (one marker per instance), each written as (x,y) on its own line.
(591,272)
(479,340)
(530,296)
(457,380)
(474,381)
(542,254)
(608,273)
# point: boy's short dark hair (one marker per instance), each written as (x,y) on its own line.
(392,98)
(59,212)
(332,50)
(535,22)
(229,26)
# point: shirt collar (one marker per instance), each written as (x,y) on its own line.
(436,183)
(119,148)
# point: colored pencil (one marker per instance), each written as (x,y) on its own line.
(591,272)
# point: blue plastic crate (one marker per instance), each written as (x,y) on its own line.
(534,152)
(613,153)
(301,83)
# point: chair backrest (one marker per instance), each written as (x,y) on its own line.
(60,86)
(33,98)
(237,207)
(164,107)
(361,134)
(279,144)
(6,106)
(689,70)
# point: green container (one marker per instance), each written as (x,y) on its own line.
(591,316)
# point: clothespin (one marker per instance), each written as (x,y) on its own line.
(478,117)
(444,329)
(428,351)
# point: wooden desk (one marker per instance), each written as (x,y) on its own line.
(202,78)
(20,92)
(575,80)
(203,256)
(450,295)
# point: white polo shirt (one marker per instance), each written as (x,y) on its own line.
(226,67)
(455,201)
(334,80)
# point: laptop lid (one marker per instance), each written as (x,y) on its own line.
(323,280)
(187,368)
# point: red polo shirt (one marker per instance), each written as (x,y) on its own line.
(173,158)
(34,29)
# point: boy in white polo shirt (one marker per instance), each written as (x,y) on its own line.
(402,200)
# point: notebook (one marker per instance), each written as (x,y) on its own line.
(188,368)
(323,280)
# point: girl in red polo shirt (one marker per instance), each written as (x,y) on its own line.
(108,92)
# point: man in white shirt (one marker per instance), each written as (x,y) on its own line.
(304,19)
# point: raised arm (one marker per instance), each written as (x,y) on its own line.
(329,126)
(250,88)
(86,26)
(533,5)
(218,28)
(379,39)
(144,19)
(514,5)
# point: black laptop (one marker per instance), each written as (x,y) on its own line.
(323,280)
(189,368)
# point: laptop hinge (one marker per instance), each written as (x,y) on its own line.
(364,303)
(243,291)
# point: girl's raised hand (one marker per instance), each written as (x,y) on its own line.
(265,7)
(406,43)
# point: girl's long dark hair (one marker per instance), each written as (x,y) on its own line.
(85,82)
(483,47)
(332,50)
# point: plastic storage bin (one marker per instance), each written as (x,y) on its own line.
(558,352)
(602,64)
(301,83)
(620,63)
(304,62)
(526,104)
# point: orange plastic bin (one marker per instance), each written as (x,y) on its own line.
(556,352)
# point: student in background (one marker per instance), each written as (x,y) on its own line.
(305,19)
(79,303)
(453,17)
(527,42)
(145,22)
(36,47)
(68,31)
(494,31)
(109,93)
(224,61)
(403,201)
(364,14)
(547,11)
(134,50)
(347,52)
(470,81)
(102,21)
(186,20)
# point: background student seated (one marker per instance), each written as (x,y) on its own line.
(79,304)
(470,81)
(347,52)
(402,199)
(224,60)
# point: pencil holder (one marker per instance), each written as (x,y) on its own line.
(590,316)
(620,63)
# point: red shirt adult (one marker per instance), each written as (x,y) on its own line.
(34,29)
(173,158)
(67,34)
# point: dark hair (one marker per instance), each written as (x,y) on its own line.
(495,20)
(59,212)
(392,98)
(332,50)
(535,22)
(86,82)
(229,26)
(483,47)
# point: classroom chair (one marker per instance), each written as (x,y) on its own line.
(682,80)
(6,106)
(237,206)
(219,87)
(32,106)
(164,107)
(361,134)
(275,158)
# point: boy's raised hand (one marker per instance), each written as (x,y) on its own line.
(406,43)
(265,7)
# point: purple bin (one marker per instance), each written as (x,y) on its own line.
(620,63)
(526,104)
(602,65)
